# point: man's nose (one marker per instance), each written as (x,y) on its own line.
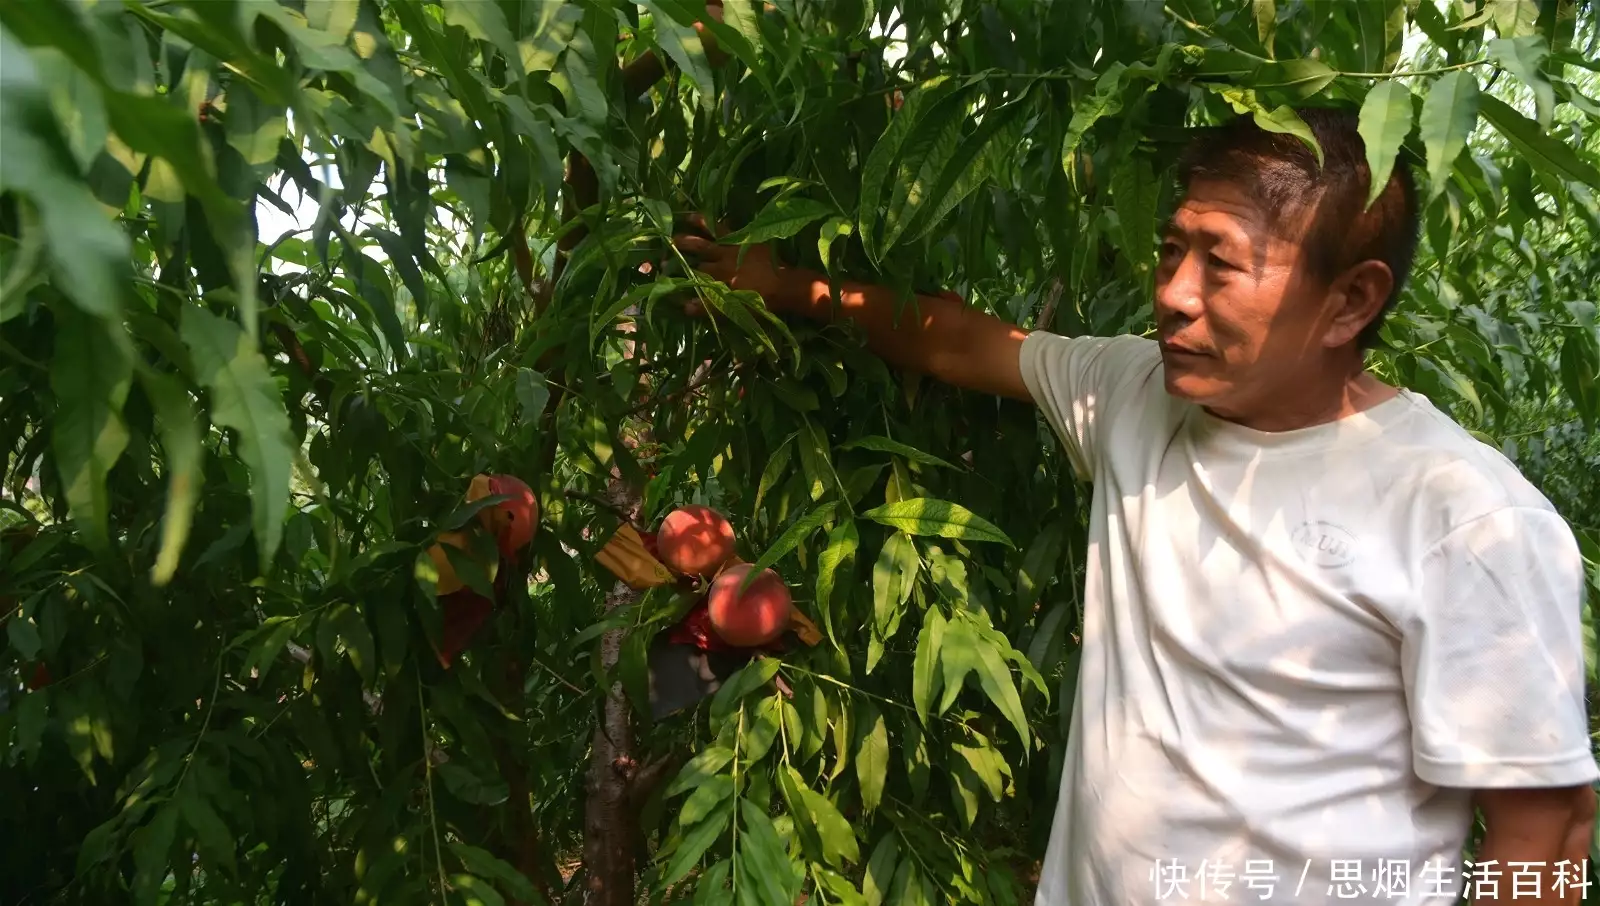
(1178,289)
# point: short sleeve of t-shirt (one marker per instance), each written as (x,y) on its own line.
(1077,381)
(1494,661)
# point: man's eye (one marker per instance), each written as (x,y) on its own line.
(1215,261)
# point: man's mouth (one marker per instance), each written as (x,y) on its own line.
(1172,348)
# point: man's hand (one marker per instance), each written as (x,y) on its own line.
(714,54)
(1540,828)
(758,271)
(938,335)
(638,76)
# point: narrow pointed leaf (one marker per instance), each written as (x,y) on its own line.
(245,397)
(1448,114)
(1384,124)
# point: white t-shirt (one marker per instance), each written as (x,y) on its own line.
(1302,650)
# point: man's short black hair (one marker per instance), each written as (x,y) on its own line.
(1280,171)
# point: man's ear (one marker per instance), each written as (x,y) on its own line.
(1356,298)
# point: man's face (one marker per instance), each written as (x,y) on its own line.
(1240,323)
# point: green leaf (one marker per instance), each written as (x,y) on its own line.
(949,178)
(893,575)
(244,397)
(694,844)
(748,679)
(964,794)
(213,838)
(839,845)
(269,639)
(773,472)
(780,219)
(1543,151)
(925,676)
(88,251)
(1448,114)
(705,799)
(180,440)
(1524,58)
(1381,25)
(1300,79)
(881,869)
(761,729)
(352,630)
(882,444)
(995,678)
(958,656)
(1384,124)
(1514,18)
(926,516)
(682,43)
(831,231)
(798,531)
(254,129)
(910,886)
(1048,637)
(1105,101)
(23,634)
(872,757)
(532,394)
(485,864)
(476,892)
(485,22)
(919,104)
(765,870)
(1284,119)
(1266,13)
(335,17)
(90,375)
(468,786)
(744,17)
(700,769)
(840,553)
(152,848)
(838,887)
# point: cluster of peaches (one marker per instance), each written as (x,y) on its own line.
(698,541)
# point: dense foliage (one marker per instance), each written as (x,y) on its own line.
(226,452)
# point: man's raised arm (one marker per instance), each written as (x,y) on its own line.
(939,336)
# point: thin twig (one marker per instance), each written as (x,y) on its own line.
(604,504)
(558,677)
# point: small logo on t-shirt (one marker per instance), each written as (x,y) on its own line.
(1324,543)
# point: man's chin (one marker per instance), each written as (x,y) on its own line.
(1192,388)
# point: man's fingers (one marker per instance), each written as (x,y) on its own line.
(691,244)
(698,221)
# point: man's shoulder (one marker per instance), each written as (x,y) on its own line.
(1454,475)
(1114,359)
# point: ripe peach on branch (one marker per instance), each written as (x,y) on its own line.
(695,540)
(753,616)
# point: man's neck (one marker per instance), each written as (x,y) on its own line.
(1314,403)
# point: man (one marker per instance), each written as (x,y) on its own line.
(1323,624)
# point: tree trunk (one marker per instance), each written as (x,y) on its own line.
(608,823)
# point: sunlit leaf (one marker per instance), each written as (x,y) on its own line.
(1385,122)
(780,219)
(245,399)
(1448,114)
(1540,149)
(872,757)
(90,377)
(930,517)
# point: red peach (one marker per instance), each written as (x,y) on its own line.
(513,522)
(695,540)
(758,616)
